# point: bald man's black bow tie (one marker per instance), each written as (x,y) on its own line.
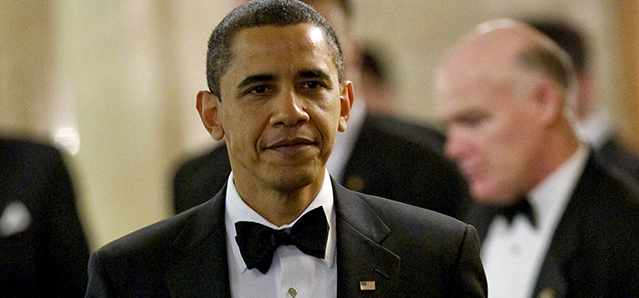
(258,243)
(521,207)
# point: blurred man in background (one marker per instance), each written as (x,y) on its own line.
(381,156)
(555,222)
(378,89)
(594,124)
(43,249)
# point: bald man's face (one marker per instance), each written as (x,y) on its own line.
(494,131)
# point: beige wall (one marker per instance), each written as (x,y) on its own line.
(27,32)
(120,77)
(417,33)
(628,19)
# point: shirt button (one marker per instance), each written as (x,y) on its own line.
(292,291)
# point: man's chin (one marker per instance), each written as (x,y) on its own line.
(291,183)
(485,195)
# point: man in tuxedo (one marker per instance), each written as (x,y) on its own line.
(594,124)
(43,249)
(555,222)
(281,227)
(377,155)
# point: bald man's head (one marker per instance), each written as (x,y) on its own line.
(505,48)
(502,94)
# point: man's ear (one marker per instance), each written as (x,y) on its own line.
(347,95)
(585,104)
(207,106)
(550,99)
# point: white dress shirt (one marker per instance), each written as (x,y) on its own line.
(512,255)
(292,273)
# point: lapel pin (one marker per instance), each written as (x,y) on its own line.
(547,293)
(367,285)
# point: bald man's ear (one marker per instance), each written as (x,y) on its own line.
(207,106)
(347,95)
(584,104)
(550,99)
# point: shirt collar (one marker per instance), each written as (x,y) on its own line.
(238,210)
(597,129)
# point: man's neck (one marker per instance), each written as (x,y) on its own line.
(279,207)
(558,151)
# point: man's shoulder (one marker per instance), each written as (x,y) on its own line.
(397,128)
(397,140)
(163,237)
(400,216)
(604,201)
(617,155)
(153,236)
(398,213)
(27,150)
(600,179)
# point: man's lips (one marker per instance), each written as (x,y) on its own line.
(290,142)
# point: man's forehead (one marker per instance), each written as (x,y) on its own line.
(270,49)
(308,30)
(476,91)
(249,43)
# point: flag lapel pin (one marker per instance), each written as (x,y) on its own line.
(367,285)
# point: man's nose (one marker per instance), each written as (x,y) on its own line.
(289,109)
(455,146)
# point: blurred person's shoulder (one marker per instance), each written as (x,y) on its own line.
(423,134)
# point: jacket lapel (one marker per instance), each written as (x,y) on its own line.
(203,269)
(552,277)
(551,280)
(360,257)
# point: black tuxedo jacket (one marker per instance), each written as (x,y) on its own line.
(407,251)
(618,156)
(47,254)
(390,159)
(595,249)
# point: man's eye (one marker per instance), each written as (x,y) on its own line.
(472,120)
(311,85)
(259,89)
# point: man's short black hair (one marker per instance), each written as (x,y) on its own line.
(262,13)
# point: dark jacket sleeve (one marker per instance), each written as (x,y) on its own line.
(99,284)
(68,247)
(469,279)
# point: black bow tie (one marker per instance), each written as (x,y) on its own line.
(258,243)
(521,207)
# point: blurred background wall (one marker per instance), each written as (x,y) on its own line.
(114,82)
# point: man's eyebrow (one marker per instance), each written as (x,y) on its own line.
(311,74)
(255,79)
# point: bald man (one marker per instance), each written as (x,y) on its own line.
(554,221)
